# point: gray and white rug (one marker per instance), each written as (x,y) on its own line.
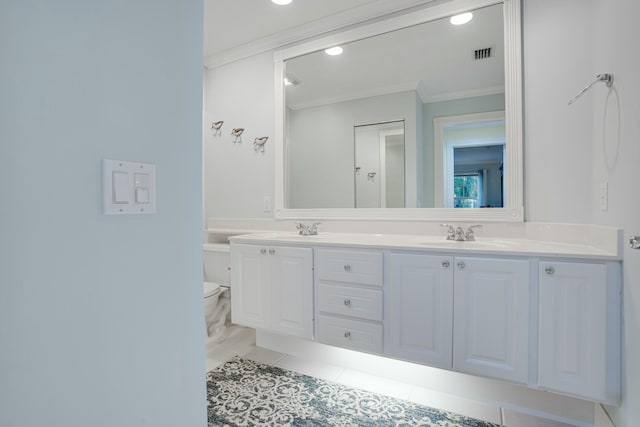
(246,393)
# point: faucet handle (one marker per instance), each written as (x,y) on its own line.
(304,229)
(469,234)
(451,232)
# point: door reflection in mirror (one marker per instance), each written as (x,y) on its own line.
(379,170)
(471,155)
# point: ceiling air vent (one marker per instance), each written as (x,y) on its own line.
(482,53)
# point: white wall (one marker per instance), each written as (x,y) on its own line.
(236,177)
(566,45)
(558,62)
(100,316)
(615,30)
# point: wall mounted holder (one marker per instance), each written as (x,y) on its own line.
(217,127)
(606,78)
(237,132)
(258,143)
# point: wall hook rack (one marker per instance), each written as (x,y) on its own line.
(258,143)
(237,132)
(606,78)
(217,127)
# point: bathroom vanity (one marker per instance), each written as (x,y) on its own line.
(539,314)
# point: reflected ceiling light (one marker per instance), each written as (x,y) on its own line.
(291,80)
(461,19)
(333,51)
(281,2)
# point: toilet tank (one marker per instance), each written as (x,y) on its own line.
(217,263)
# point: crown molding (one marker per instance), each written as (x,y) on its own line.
(338,21)
(351,96)
(427,99)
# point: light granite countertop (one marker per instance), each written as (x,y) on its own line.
(516,247)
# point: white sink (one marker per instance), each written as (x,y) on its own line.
(473,244)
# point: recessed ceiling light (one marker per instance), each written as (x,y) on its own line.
(281,2)
(333,51)
(461,19)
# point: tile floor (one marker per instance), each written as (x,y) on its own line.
(240,341)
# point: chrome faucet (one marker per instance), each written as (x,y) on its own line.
(458,234)
(468,236)
(306,230)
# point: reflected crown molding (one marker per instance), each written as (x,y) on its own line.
(427,99)
(397,88)
(373,10)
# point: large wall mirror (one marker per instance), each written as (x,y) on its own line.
(417,118)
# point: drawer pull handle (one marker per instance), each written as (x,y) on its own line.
(272,251)
(445,264)
(549,271)
(347,268)
(461,265)
(347,302)
(263,251)
(347,335)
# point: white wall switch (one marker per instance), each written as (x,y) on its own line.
(128,188)
(268,201)
(604,196)
(120,190)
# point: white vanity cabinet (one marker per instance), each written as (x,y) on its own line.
(462,313)
(491,318)
(579,329)
(272,288)
(419,309)
(546,316)
(349,298)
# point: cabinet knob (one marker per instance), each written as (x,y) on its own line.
(445,264)
(263,251)
(549,271)
(347,268)
(347,335)
(461,265)
(272,251)
(347,302)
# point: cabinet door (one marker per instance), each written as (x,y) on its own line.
(249,286)
(420,309)
(572,328)
(491,318)
(291,291)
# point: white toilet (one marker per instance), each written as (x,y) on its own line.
(217,305)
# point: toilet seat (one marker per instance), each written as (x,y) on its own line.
(211,289)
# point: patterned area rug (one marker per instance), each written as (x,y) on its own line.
(246,393)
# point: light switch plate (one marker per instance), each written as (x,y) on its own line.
(139,176)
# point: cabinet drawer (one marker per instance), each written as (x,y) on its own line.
(350,301)
(350,334)
(349,266)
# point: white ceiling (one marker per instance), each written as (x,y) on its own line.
(231,23)
(234,29)
(435,57)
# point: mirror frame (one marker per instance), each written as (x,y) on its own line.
(513,182)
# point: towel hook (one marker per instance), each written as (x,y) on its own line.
(607,78)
